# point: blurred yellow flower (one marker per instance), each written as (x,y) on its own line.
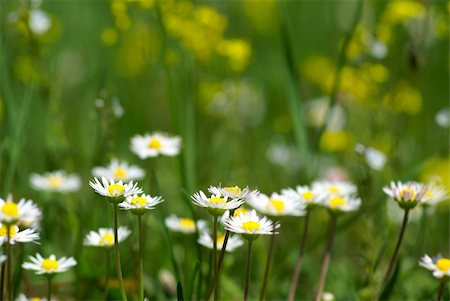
(237,51)
(109,36)
(146,4)
(320,71)
(403,10)
(435,170)
(404,99)
(263,14)
(334,141)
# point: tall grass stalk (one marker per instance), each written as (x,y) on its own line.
(117,253)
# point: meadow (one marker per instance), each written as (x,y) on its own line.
(307,138)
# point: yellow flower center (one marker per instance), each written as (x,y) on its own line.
(155,143)
(140,201)
(334,189)
(49,264)
(187,223)
(408,193)
(120,173)
(234,190)
(308,195)
(240,211)
(336,202)
(35,299)
(216,200)
(443,264)
(55,181)
(277,204)
(106,239)
(220,238)
(12,231)
(428,195)
(10,209)
(115,189)
(251,226)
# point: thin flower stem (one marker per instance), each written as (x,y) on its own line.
(141,258)
(247,275)
(298,263)
(2,279)
(117,253)
(216,266)
(268,264)
(326,260)
(441,291)
(8,261)
(222,255)
(397,248)
(49,288)
(107,264)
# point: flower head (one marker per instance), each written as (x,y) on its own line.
(114,189)
(183,225)
(17,235)
(439,265)
(153,145)
(216,204)
(207,241)
(25,211)
(56,181)
(22,297)
(327,189)
(140,204)
(277,205)
(341,203)
(435,194)
(104,237)
(119,171)
(408,194)
(49,265)
(303,194)
(232,192)
(250,225)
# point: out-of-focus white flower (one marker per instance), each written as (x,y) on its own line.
(439,265)
(327,189)
(22,297)
(56,181)
(408,194)
(17,235)
(49,265)
(250,225)
(140,204)
(216,204)
(303,194)
(119,171)
(233,241)
(25,211)
(443,118)
(435,194)
(317,110)
(153,145)
(327,296)
(284,155)
(117,107)
(339,203)
(39,21)
(277,205)
(232,192)
(375,159)
(183,225)
(396,214)
(104,237)
(114,190)
(377,48)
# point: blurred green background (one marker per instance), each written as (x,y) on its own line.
(246,84)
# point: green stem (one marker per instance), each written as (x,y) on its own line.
(2,279)
(298,263)
(441,291)
(216,266)
(107,264)
(141,258)
(247,274)
(397,248)
(49,288)
(8,261)
(268,264)
(117,253)
(326,260)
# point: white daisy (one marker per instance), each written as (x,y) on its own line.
(341,203)
(16,235)
(216,204)
(375,159)
(49,265)
(119,171)
(303,194)
(277,205)
(104,237)
(22,297)
(140,204)
(435,194)
(250,225)
(183,225)
(408,194)
(232,192)
(22,212)
(114,189)
(207,241)
(327,296)
(326,189)
(155,144)
(39,21)
(439,265)
(55,181)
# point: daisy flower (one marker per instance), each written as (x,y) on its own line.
(49,265)
(439,265)
(119,171)
(104,237)
(27,235)
(140,204)
(183,225)
(114,189)
(326,189)
(207,241)
(22,297)
(155,144)
(232,192)
(55,181)
(216,204)
(303,194)
(250,225)
(435,194)
(277,205)
(23,211)
(408,194)
(341,203)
